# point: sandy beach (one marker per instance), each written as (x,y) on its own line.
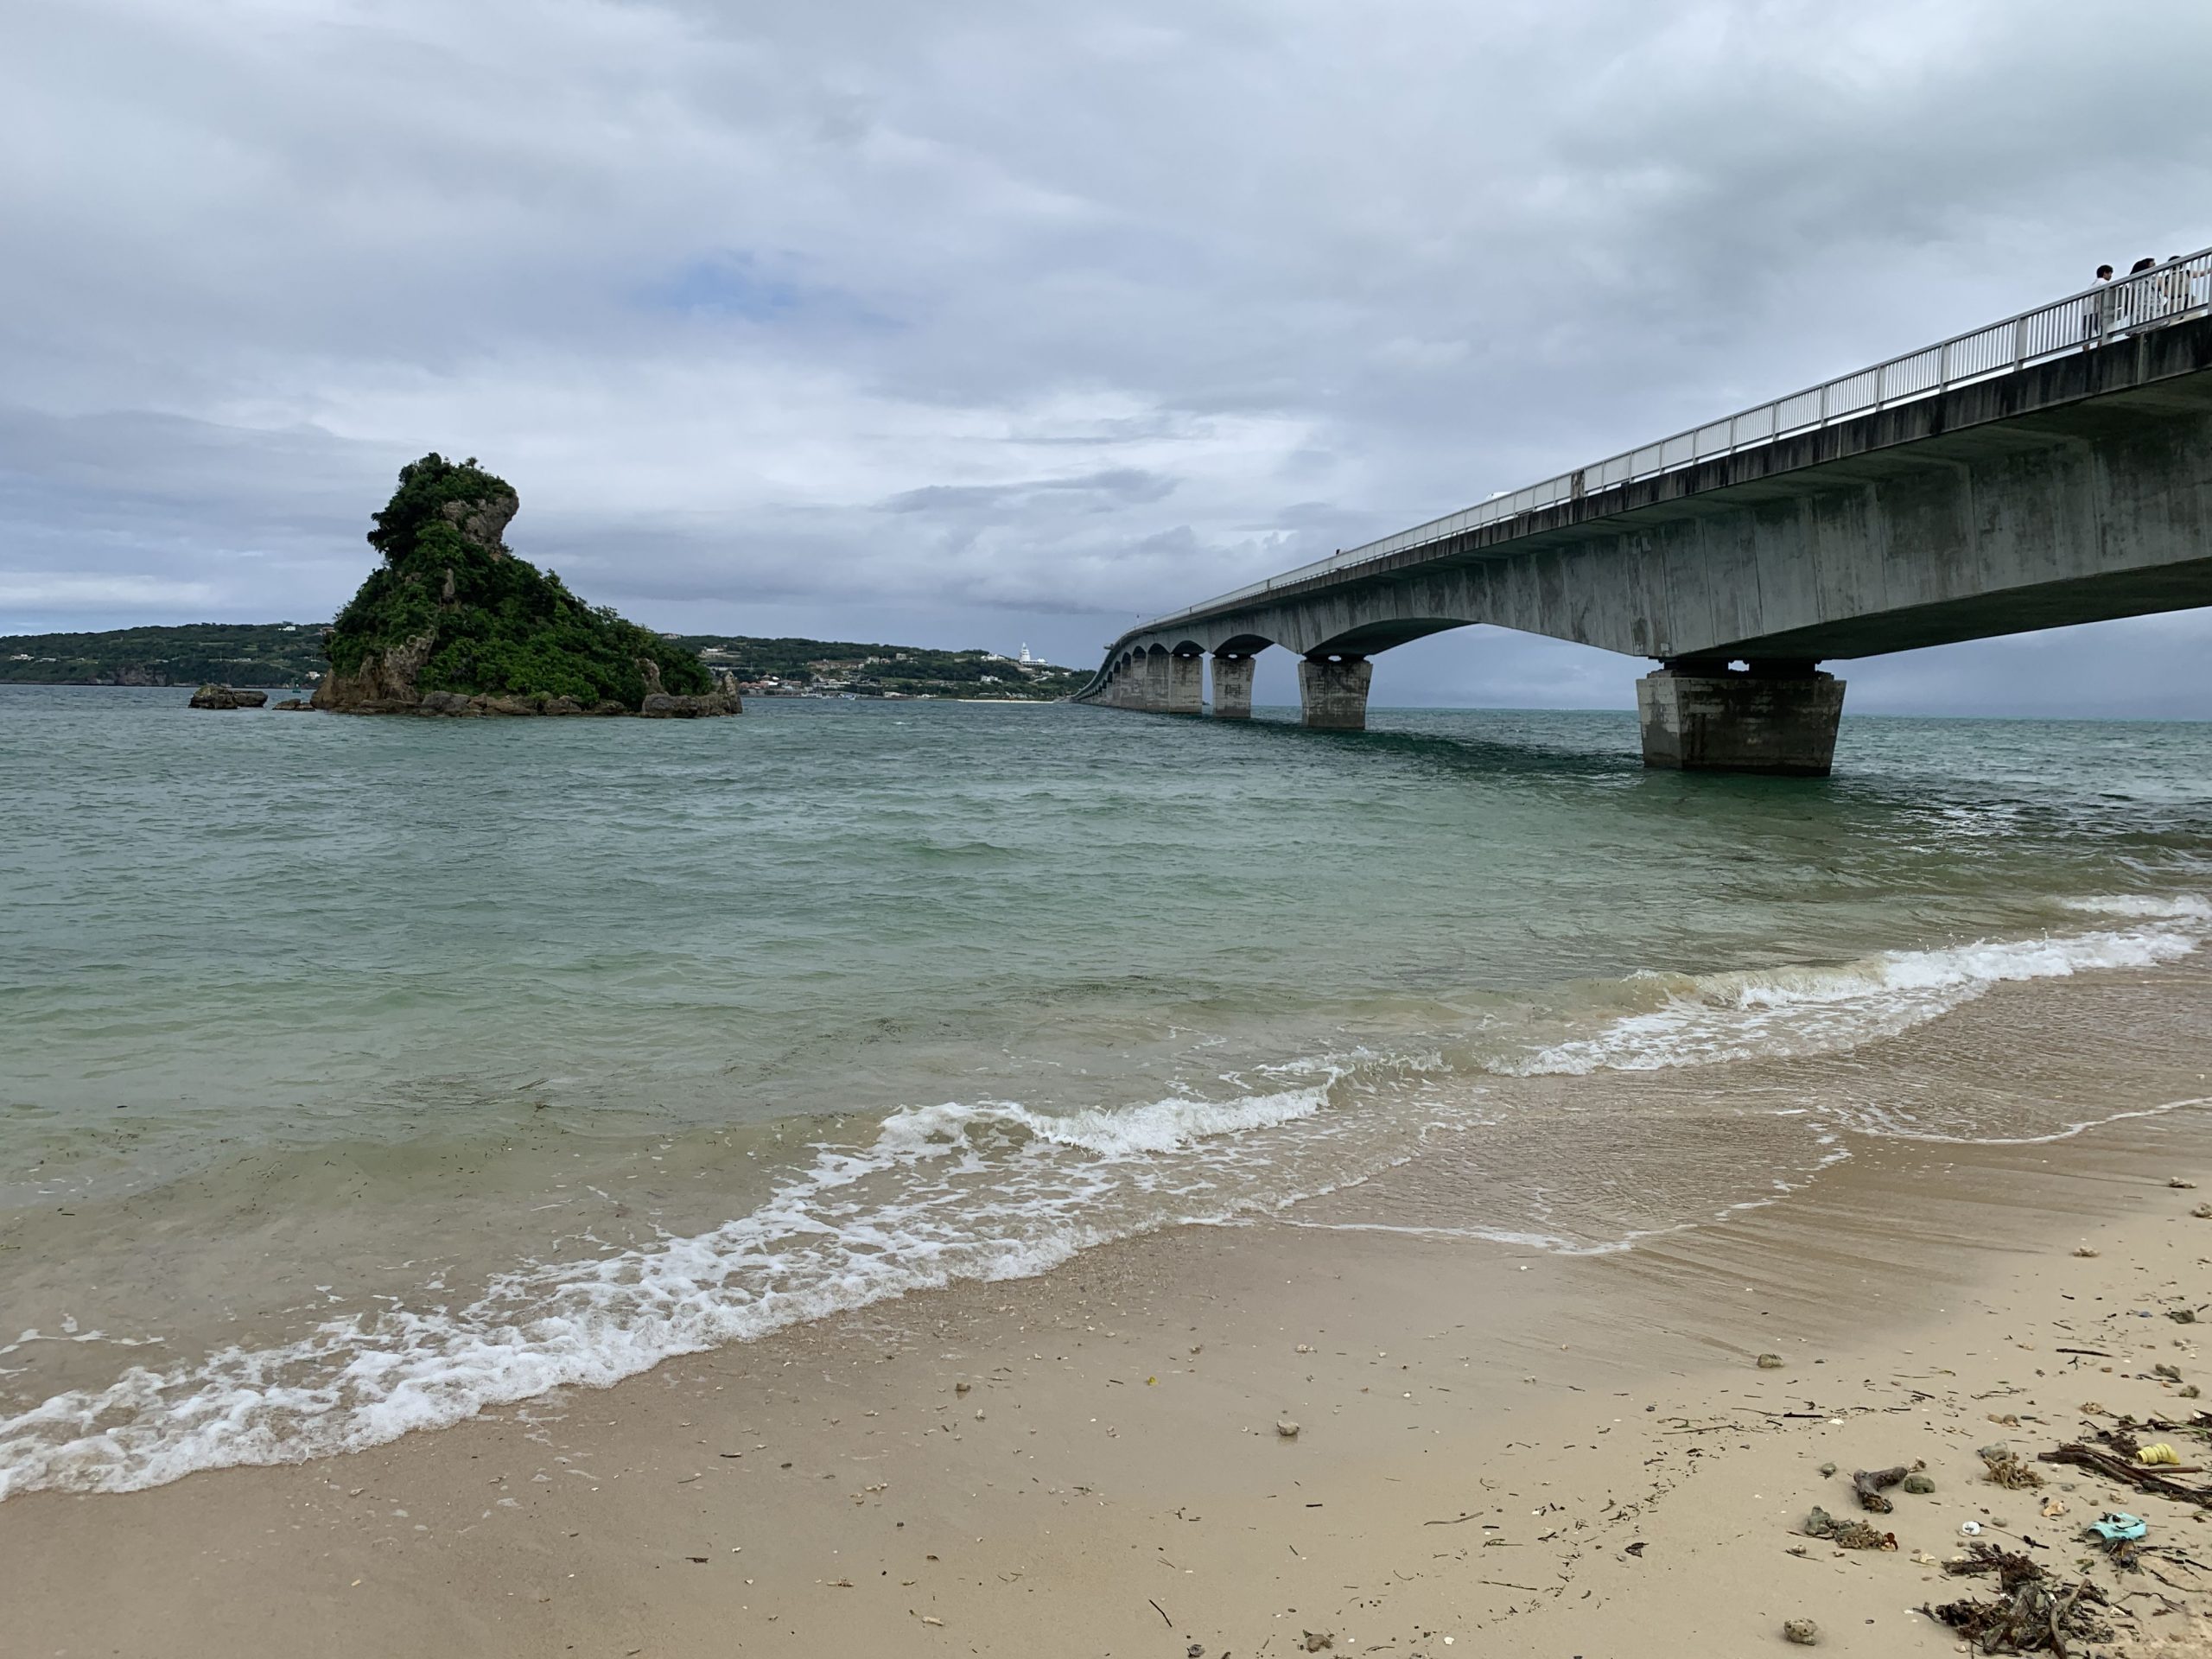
(1496,1450)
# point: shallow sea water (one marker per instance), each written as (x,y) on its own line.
(356,1073)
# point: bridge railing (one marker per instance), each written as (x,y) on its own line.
(2164,293)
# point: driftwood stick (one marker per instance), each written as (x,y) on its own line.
(2142,1479)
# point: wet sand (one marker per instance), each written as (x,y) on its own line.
(1498,1451)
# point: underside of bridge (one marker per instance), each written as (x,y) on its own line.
(2074,491)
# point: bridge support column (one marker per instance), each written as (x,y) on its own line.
(1183,691)
(1780,717)
(1232,685)
(1332,692)
(1147,681)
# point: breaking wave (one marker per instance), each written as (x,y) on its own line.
(1708,1019)
(945,1192)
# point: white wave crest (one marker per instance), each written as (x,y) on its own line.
(1714,1018)
(2181,907)
(1163,1126)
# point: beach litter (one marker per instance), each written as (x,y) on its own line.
(2117,1526)
(1847,1534)
(2159,1452)
(1803,1631)
(2033,1613)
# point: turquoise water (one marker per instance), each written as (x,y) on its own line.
(578,1043)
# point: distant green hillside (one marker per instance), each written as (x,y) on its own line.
(839,666)
(291,654)
(234,653)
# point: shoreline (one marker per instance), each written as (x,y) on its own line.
(1110,1478)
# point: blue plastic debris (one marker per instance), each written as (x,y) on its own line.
(2117,1527)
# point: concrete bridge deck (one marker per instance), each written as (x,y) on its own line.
(2053,468)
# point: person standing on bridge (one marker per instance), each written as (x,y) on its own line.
(2137,302)
(2173,286)
(2096,310)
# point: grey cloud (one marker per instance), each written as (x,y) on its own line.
(994,314)
(1125,486)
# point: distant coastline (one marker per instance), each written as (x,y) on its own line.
(289,655)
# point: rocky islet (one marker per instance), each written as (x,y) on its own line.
(454,625)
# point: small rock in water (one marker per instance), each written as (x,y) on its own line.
(1803,1631)
(2186,1187)
(1196,1650)
(2083,1250)
(960,1388)
(1769,1362)
(1920,1485)
(228,696)
(1288,1429)
(2202,1212)
(1827,1469)
(1315,1641)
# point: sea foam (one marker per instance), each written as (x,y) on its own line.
(1709,1019)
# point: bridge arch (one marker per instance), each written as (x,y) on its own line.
(1243,644)
(1368,638)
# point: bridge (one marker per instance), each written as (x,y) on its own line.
(2052,468)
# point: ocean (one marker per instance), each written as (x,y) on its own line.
(357,1074)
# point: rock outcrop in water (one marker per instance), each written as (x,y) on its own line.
(226,696)
(455,624)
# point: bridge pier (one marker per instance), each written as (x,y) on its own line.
(1182,687)
(1332,692)
(1778,717)
(1232,685)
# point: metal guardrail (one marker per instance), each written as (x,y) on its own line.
(2164,293)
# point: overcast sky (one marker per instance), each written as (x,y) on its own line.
(973,323)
